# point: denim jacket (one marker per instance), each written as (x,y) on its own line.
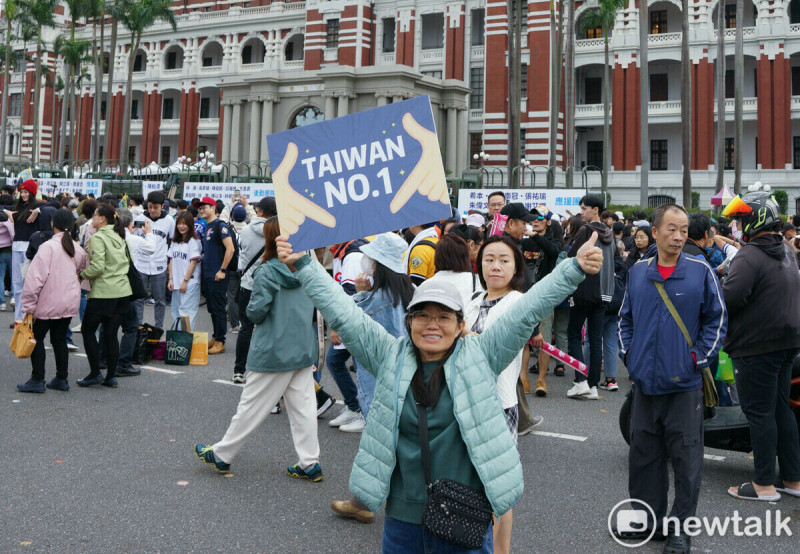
(378,305)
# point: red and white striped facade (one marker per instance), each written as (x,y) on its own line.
(237,71)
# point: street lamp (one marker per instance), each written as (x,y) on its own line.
(523,163)
(482,158)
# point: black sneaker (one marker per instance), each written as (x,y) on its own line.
(31,385)
(128,372)
(58,384)
(559,371)
(610,384)
(324,401)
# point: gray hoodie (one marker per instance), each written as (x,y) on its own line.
(251,242)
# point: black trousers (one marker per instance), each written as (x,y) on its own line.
(594,315)
(108,312)
(216,302)
(245,332)
(58,338)
(668,426)
(763,382)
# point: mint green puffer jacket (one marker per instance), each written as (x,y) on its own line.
(470,373)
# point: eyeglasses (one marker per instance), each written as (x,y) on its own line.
(444,319)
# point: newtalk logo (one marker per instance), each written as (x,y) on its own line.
(631,516)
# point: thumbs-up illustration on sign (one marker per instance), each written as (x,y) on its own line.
(427,178)
(293,207)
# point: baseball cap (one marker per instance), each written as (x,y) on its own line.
(542,210)
(517,210)
(239,213)
(207,200)
(476,220)
(438,293)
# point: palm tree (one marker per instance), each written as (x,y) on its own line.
(57,84)
(738,93)
(75,54)
(604,17)
(77,130)
(569,84)
(97,12)
(720,71)
(116,10)
(644,101)
(514,11)
(140,16)
(12,11)
(686,106)
(27,32)
(41,13)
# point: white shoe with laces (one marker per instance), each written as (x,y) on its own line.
(355,426)
(580,390)
(344,418)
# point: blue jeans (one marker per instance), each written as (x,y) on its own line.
(17,259)
(84,298)
(335,360)
(158,289)
(400,537)
(5,265)
(366,388)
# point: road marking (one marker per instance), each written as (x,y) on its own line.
(559,436)
(228,382)
(161,369)
(151,368)
(712,457)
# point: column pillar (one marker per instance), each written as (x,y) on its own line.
(451,148)
(266,126)
(330,107)
(226,135)
(381,99)
(236,121)
(343,104)
(461,142)
(255,135)
(397,98)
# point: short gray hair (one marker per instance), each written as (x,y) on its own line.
(125,216)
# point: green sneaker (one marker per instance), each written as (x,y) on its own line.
(206,454)
(312,473)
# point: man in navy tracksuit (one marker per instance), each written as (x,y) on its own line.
(667,415)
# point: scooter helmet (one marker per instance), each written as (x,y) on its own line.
(757,210)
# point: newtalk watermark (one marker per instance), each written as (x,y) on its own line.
(631,516)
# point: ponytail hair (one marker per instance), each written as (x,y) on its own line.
(109,213)
(64,221)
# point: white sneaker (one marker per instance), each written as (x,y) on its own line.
(580,390)
(344,418)
(12,301)
(72,347)
(234,329)
(77,328)
(3,306)
(355,426)
(592,394)
(239,378)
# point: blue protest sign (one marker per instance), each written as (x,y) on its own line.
(359,175)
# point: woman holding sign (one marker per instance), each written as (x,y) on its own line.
(451,382)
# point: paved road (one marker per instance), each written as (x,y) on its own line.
(100,470)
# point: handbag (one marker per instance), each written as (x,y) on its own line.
(23,343)
(179,344)
(710,394)
(199,353)
(453,511)
(147,336)
(138,290)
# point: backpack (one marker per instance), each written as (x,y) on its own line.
(234,263)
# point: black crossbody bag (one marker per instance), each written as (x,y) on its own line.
(453,511)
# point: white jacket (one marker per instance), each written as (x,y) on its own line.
(507,381)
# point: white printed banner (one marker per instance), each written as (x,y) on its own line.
(559,201)
(225,191)
(51,187)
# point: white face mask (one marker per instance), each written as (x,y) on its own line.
(529,227)
(368,265)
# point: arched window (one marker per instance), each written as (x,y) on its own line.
(307,115)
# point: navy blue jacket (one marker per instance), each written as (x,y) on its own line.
(651,344)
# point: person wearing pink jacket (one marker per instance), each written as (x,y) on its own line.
(52,294)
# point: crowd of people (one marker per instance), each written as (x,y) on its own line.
(445,325)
